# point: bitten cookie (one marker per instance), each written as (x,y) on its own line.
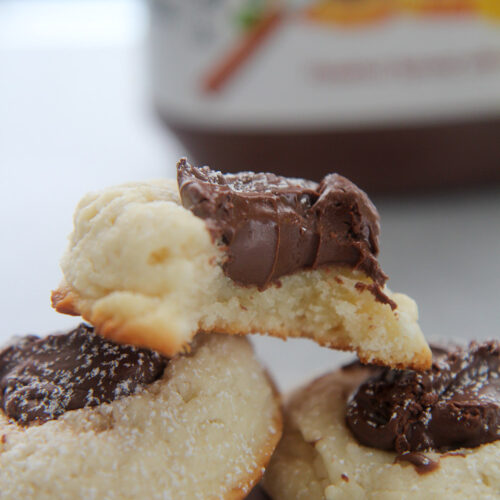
(152,263)
(85,418)
(364,433)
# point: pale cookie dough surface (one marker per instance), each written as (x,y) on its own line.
(205,430)
(318,458)
(145,271)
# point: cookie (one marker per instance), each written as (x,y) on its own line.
(83,418)
(150,265)
(369,433)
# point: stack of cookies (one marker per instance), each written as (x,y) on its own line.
(158,395)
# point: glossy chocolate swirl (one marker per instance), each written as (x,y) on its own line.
(41,378)
(272,226)
(456,404)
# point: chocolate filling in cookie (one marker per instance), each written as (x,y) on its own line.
(41,378)
(272,226)
(456,404)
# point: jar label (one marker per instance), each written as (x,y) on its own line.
(284,65)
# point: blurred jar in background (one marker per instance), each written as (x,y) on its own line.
(397,95)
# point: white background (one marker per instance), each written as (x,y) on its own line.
(75,116)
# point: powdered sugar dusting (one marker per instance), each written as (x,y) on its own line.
(41,378)
(455,404)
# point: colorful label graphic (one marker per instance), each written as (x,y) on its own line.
(364,11)
(351,12)
(343,63)
(439,6)
(489,8)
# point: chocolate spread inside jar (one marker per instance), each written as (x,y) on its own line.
(41,378)
(456,404)
(272,226)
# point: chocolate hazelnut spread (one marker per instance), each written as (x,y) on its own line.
(273,226)
(420,462)
(41,378)
(454,405)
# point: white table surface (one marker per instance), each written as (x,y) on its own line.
(78,118)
